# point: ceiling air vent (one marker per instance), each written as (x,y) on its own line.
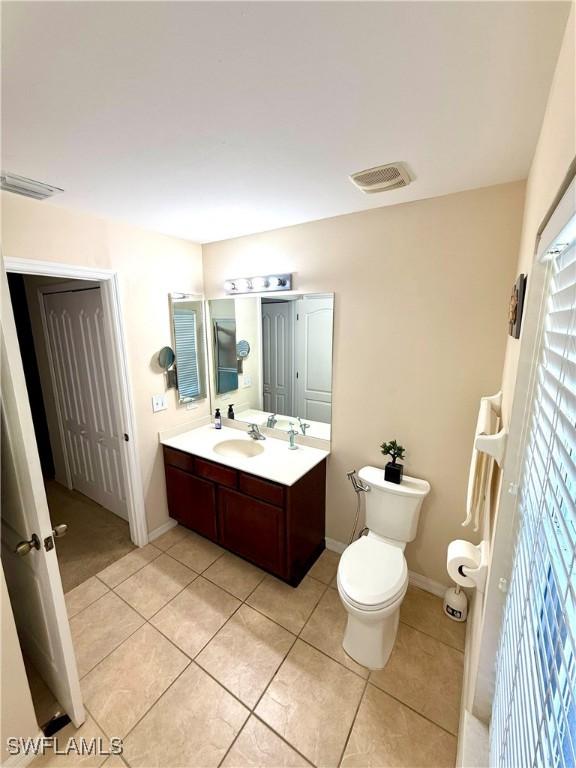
(27,187)
(381,178)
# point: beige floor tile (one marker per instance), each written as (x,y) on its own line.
(114,761)
(325,630)
(246,653)
(259,747)
(100,628)
(128,565)
(324,569)
(195,551)
(425,674)
(171,537)
(311,703)
(193,724)
(155,585)
(195,615)
(386,733)
(288,606)
(423,611)
(234,575)
(89,730)
(126,683)
(84,595)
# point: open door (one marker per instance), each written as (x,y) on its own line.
(32,576)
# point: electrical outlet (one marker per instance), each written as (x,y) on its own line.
(247,381)
(159,403)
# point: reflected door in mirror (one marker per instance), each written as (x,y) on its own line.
(277,357)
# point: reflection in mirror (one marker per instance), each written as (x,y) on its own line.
(281,373)
(187,318)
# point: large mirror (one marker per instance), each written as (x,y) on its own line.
(271,360)
(188,338)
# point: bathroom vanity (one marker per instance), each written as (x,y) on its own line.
(255,498)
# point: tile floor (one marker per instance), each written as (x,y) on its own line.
(197,658)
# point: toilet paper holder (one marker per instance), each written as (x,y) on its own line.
(472,576)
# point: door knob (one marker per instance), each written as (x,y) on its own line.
(60,530)
(24,547)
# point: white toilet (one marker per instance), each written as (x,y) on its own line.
(372,574)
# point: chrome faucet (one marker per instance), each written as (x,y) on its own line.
(303,425)
(272,420)
(292,436)
(254,432)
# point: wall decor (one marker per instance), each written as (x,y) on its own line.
(516,306)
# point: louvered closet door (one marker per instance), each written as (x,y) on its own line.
(534,711)
(77,338)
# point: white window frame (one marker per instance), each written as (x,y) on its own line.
(507,517)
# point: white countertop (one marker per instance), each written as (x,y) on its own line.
(276,462)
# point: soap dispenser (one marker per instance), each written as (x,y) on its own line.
(217,419)
(231,411)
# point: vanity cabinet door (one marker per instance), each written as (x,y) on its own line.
(192,501)
(253,529)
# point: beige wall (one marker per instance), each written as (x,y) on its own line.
(555,151)
(17,711)
(421,298)
(150,267)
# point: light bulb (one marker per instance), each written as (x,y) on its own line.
(244,285)
(229,286)
(260,283)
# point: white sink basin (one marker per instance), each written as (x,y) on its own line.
(245,449)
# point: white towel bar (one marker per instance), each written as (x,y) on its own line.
(486,443)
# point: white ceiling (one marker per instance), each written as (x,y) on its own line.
(211,120)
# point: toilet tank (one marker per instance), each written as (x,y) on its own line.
(392,510)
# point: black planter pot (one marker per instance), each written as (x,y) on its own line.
(393,472)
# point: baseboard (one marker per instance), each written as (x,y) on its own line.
(335,546)
(157,532)
(21,760)
(428,585)
(416,579)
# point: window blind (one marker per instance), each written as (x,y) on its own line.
(534,709)
(187,346)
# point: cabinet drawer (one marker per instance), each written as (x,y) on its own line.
(262,489)
(216,472)
(192,501)
(253,529)
(178,459)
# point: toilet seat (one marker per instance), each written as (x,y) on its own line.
(372,574)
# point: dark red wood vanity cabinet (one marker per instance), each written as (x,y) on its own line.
(279,528)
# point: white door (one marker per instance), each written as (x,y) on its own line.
(76,335)
(277,356)
(314,358)
(33,580)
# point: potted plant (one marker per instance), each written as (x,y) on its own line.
(393,471)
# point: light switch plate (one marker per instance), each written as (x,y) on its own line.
(247,381)
(159,403)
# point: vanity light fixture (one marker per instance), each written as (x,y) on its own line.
(260,283)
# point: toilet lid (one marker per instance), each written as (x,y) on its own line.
(372,573)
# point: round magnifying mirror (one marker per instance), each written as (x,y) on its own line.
(166,358)
(242,349)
